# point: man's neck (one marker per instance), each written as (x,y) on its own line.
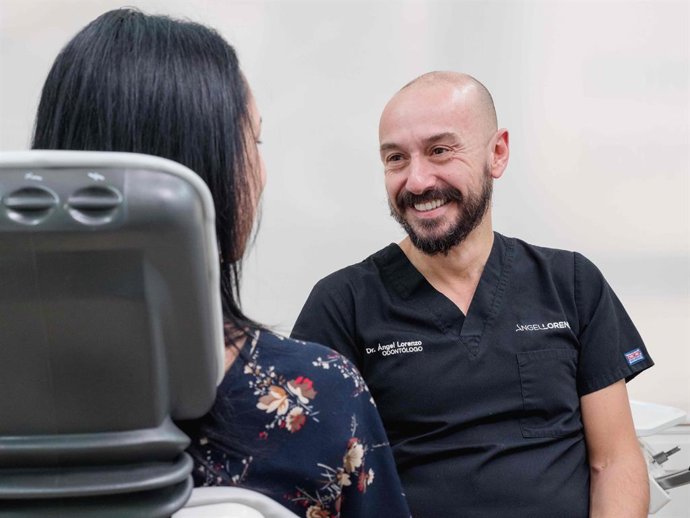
(456,274)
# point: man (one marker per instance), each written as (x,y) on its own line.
(498,367)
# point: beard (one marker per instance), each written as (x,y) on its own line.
(472,210)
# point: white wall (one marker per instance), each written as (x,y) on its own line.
(595,95)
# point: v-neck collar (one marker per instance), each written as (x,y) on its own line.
(402,278)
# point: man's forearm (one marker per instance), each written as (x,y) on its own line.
(620,488)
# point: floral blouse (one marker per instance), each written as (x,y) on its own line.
(295,421)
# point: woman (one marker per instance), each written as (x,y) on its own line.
(293,420)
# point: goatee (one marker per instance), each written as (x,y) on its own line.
(472,210)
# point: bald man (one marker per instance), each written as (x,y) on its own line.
(498,367)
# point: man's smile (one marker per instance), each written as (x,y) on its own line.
(430,205)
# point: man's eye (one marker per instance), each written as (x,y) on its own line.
(394,158)
(439,150)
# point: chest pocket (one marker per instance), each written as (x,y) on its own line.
(549,393)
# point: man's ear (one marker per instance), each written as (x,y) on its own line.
(500,153)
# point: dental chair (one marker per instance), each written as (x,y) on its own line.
(110,330)
(651,419)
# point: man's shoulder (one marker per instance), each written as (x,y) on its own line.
(547,255)
(558,261)
(540,251)
(361,275)
(329,314)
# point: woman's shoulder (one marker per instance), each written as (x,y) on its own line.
(296,358)
(292,353)
(289,346)
(287,384)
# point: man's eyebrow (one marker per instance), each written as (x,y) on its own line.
(446,135)
(387,146)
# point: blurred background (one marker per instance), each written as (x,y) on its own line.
(594,93)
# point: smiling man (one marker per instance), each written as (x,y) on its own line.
(498,367)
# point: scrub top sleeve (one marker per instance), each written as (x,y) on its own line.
(610,347)
(326,319)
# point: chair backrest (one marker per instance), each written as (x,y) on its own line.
(110,329)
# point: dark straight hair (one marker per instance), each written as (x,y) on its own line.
(151,84)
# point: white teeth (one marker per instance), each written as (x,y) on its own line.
(429,205)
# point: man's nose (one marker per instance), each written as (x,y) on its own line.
(420,177)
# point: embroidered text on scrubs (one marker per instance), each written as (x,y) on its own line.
(396,347)
(542,327)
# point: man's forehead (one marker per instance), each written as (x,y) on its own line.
(428,109)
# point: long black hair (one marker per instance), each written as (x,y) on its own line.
(151,84)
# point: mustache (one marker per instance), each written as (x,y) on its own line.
(406,199)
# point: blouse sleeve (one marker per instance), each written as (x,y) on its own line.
(360,462)
(366,470)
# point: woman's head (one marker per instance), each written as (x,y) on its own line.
(150,84)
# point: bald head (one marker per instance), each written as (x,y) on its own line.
(465,89)
(477,92)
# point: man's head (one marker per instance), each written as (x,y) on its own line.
(441,150)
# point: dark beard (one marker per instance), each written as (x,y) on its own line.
(472,210)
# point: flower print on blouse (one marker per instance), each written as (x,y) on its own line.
(345,368)
(296,422)
(335,479)
(288,402)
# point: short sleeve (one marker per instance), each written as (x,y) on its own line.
(326,318)
(611,348)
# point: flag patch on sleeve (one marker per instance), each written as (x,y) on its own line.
(634,356)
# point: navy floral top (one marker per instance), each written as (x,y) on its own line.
(295,421)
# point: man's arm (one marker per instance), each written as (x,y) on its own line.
(619,484)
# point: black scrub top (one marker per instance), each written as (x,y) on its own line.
(483,410)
